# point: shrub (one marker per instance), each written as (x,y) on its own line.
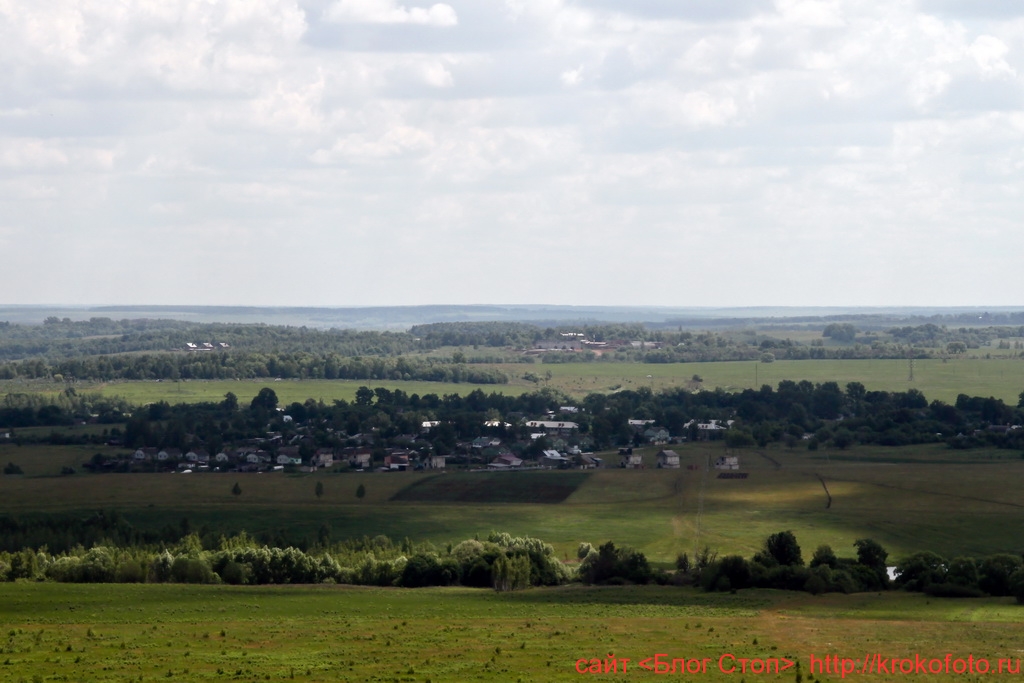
(611,562)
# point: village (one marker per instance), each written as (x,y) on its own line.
(547,444)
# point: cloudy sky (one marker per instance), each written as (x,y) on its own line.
(373,152)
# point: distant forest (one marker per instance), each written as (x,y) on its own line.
(104,349)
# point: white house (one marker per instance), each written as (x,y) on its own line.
(668,459)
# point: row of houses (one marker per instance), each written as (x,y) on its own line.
(206,346)
(668,459)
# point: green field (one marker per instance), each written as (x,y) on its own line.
(334,633)
(936,379)
(900,497)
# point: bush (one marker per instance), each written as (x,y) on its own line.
(1017,585)
(732,572)
(995,572)
(235,573)
(192,570)
(129,570)
(425,569)
(953,590)
(610,562)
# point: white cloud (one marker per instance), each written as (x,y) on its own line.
(990,55)
(805,141)
(390,12)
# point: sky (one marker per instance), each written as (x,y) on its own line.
(588,152)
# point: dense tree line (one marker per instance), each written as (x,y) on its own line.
(780,564)
(503,562)
(257,350)
(240,365)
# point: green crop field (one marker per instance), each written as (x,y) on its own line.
(335,633)
(936,379)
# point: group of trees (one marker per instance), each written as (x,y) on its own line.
(780,564)
(1000,574)
(252,365)
(502,562)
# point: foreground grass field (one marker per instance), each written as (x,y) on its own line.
(909,499)
(332,633)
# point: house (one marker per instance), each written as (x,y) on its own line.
(197,455)
(221,457)
(554,428)
(505,461)
(711,429)
(482,442)
(360,458)
(323,457)
(554,459)
(631,460)
(727,462)
(436,462)
(590,462)
(257,457)
(659,435)
(399,463)
(285,459)
(169,454)
(145,454)
(668,459)
(638,425)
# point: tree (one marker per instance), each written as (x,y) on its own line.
(844,332)
(824,556)
(781,548)
(361,492)
(266,399)
(843,438)
(319,489)
(872,555)
(236,489)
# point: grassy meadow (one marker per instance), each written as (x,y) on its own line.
(937,379)
(335,633)
(908,499)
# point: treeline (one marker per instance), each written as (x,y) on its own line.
(66,408)
(780,564)
(241,365)
(505,562)
(42,347)
(61,339)
(502,562)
